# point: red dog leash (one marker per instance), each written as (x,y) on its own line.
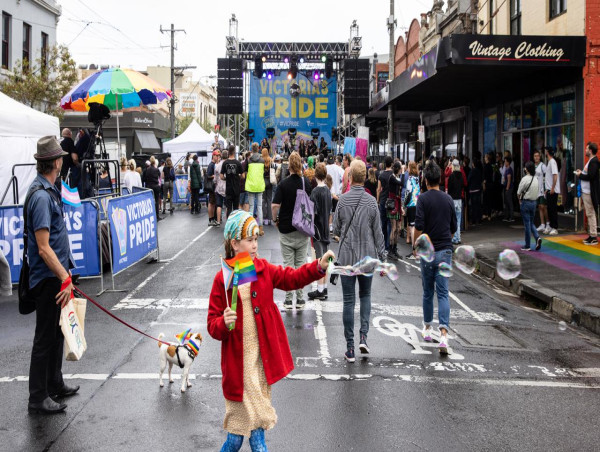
(80,292)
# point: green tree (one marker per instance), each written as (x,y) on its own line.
(207,125)
(41,85)
(182,124)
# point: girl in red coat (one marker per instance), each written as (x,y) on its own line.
(255,353)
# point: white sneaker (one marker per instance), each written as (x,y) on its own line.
(553,232)
(427,334)
(541,227)
(546,231)
(443,346)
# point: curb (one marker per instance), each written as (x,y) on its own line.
(523,286)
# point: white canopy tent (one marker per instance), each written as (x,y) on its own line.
(20,129)
(193,139)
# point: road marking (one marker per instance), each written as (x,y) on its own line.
(410,334)
(327,306)
(168,261)
(405,378)
(321,334)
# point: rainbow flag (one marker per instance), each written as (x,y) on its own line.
(194,346)
(247,272)
(182,337)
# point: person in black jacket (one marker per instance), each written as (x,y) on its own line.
(590,191)
(195,184)
(168,181)
(455,190)
(474,181)
(150,179)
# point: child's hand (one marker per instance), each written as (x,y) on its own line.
(324,262)
(229,316)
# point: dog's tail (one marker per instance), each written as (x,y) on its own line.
(160,336)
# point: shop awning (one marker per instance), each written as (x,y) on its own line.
(147,140)
(463,69)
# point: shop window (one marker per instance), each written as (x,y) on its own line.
(5,40)
(534,111)
(490,125)
(453,135)
(512,116)
(561,106)
(557,7)
(44,50)
(26,44)
(562,139)
(515,17)
(435,140)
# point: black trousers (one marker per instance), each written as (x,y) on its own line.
(232,202)
(476,207)
(45,371)
(195,200)
(552,209)
(156,191)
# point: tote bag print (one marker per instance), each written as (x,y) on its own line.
(71,329)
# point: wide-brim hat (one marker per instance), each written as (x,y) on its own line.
(48,148)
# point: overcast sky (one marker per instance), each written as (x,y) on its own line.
(127,32)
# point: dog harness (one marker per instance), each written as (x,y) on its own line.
(192,349)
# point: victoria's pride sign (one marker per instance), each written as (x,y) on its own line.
(82,226)
(132,228)
(271,105)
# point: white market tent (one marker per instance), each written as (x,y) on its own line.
(193,139)
(20,129)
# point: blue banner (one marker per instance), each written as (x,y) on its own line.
(82,226)
(271,105)
(181,195)
(132,222)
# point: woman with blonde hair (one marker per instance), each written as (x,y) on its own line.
(371,182)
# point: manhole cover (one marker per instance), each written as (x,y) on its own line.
(488,336)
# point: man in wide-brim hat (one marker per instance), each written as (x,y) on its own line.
(49,258)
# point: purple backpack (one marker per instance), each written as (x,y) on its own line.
(304,213)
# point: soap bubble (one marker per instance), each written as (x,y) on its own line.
(445,269)
(366,266)
(509,265)
(562,325)
(424,248)
(390,269)
(464,259)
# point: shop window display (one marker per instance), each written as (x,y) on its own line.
(512,116)
(490,124)
(534,111)
(562,138)
(561,106)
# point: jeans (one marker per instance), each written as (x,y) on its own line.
(508,203)
(434,282)
(528,213)
(293,249)
(552,209)
(45,370)
(385,224)
(349,297)
(458,212)
(266,203)
(256,202)
(257,441)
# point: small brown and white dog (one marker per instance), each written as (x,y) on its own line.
(181,354)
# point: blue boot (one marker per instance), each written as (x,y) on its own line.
(257,440)
(233,443)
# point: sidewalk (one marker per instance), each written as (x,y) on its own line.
(564,274)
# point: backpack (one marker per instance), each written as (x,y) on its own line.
(304,213)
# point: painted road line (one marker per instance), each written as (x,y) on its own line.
(324,307)
(168,261)
(321,334)
(405,378)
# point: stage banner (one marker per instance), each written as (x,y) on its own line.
(271,105)
(181,195)
(82,226)
(132,220)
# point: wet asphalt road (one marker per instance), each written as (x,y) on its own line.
(514,382)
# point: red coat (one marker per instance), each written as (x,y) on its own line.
(272,338)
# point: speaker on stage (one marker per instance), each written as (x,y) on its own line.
(230,86)
(356,86)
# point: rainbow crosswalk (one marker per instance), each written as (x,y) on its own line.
(568,252)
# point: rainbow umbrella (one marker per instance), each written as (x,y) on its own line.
(117,89)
